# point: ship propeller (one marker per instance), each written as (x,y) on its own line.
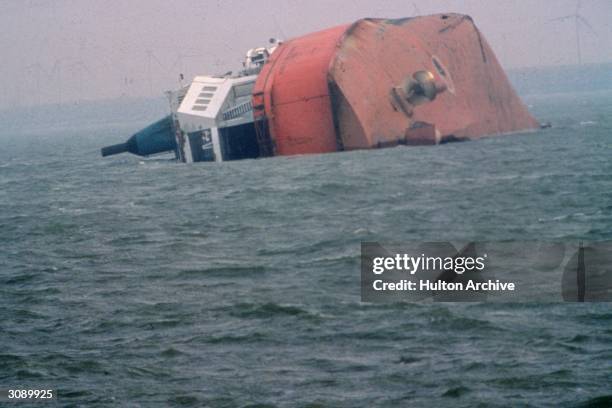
(421,88)
(416,90)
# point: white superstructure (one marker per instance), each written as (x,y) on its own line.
(213,117)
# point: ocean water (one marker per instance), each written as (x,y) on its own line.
(141,283)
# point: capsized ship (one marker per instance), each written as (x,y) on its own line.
(371,84)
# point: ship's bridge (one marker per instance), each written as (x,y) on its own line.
(216,119)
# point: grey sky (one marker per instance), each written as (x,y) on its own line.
(68,50)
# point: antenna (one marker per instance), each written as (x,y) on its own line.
(163,70)
(278,27)
(579,20)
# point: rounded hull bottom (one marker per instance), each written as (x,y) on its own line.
(352,87)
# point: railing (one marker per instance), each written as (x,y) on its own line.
(238,110)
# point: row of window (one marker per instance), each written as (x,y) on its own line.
(204,98)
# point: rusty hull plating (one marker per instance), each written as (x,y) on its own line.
(354,86)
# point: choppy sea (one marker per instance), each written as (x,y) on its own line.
(141,283)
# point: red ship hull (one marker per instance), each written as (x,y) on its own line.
(334,90)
